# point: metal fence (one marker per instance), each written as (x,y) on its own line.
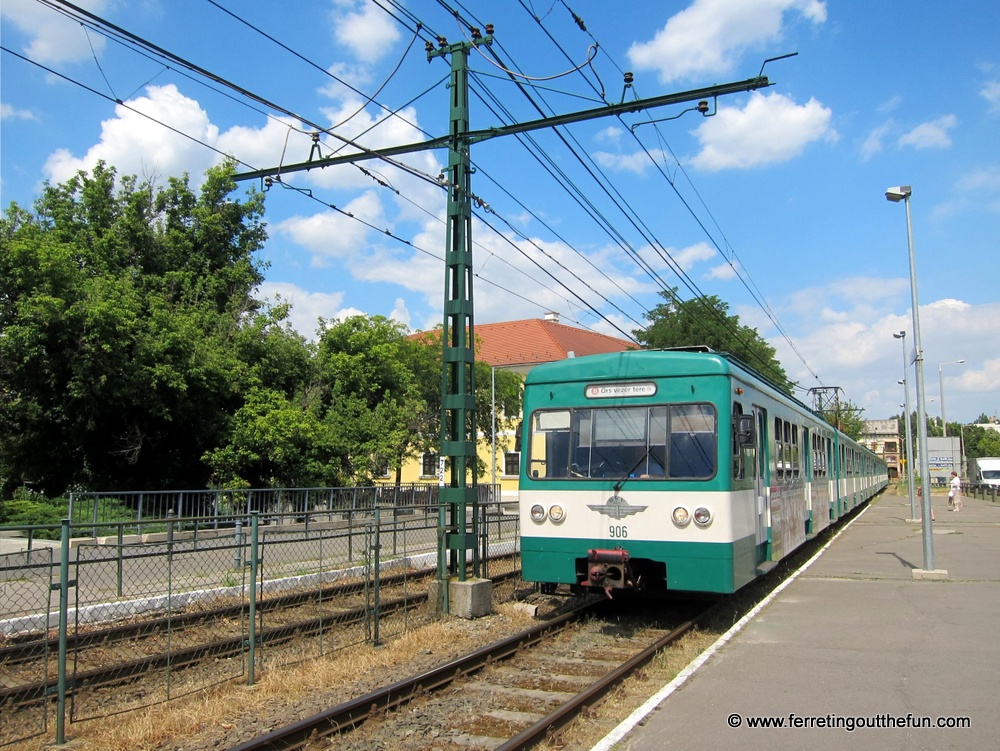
(217,597)
(222,506)
(982,490)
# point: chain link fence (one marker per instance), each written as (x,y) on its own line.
(27,654)
(160,607)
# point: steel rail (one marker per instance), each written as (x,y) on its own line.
(567,712)
(354,713)
(123,672)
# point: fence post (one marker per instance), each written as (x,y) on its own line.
(376,574)
(121,556)
(64,585)
(238,545)
(254,564)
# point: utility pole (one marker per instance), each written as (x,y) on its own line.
(458,425)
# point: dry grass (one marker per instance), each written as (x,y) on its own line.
(277,693)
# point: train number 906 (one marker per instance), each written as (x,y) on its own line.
(618,531)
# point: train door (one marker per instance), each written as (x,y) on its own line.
(807,475)
(761,483)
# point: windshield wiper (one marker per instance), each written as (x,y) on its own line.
(628,475)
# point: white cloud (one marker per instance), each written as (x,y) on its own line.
(400,312)
(991,93)
(770,128)
(873,141)
(610,133)
(853,347)
(637,162)
(693,254)
(932,135)
(710,36)
(138,145)
(365,28)
(7,112)
(723,272)
(334,235)
(54,38)
(306,307)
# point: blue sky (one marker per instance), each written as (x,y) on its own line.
(775,202)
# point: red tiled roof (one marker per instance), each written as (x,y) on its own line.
(534,341)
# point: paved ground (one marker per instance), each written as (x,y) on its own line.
(855,641)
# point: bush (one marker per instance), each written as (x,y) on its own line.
(29,508)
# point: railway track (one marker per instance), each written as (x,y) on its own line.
(509,695)
(113,656)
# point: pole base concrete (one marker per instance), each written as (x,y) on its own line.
(472,598)
(935,573)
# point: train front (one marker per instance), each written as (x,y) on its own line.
(621,485)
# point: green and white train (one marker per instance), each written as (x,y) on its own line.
(675,470)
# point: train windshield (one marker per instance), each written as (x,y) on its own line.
(659,442)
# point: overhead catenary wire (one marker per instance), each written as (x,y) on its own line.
(754,294)
(331,206)
(622,206)
(80,14)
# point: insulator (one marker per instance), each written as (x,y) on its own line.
(315,137)
(489,29)
(476,33)
(428,46)
(703,106)
(442,42)
(628,78)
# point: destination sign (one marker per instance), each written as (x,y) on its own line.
(619,390)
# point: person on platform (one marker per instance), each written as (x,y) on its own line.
(955,493)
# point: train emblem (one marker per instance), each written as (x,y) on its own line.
(616,507)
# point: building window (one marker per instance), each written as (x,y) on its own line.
(429,465)
(512,462)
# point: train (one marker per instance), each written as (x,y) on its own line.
(674,470)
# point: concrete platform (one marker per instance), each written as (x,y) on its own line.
(855,641)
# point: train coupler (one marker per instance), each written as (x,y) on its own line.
(609,569)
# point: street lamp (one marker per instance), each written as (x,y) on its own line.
(944,420)
(897,194)
(909,432)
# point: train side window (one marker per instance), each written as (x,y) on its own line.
(796,454)
(692,441)
(779,450)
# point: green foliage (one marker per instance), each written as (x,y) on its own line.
(846,417)
(135,356)
(707,321)
(126,311)
(28,508)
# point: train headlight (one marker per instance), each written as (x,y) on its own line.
(702,516)
(681,516)
(557,513)
(537,513)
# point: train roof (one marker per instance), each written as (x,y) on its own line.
(653,363)
(643,363)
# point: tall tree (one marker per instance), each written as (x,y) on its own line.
(375,393)
(120,306)
(706,321)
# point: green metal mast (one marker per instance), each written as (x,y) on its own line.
(458,381)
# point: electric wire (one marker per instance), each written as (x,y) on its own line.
(103,23)
(694,288)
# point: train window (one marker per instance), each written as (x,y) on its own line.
(796,458)
(678,441)
(779,450)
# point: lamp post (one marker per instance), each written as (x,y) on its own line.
(909,432)
(897,194)
(944,419)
